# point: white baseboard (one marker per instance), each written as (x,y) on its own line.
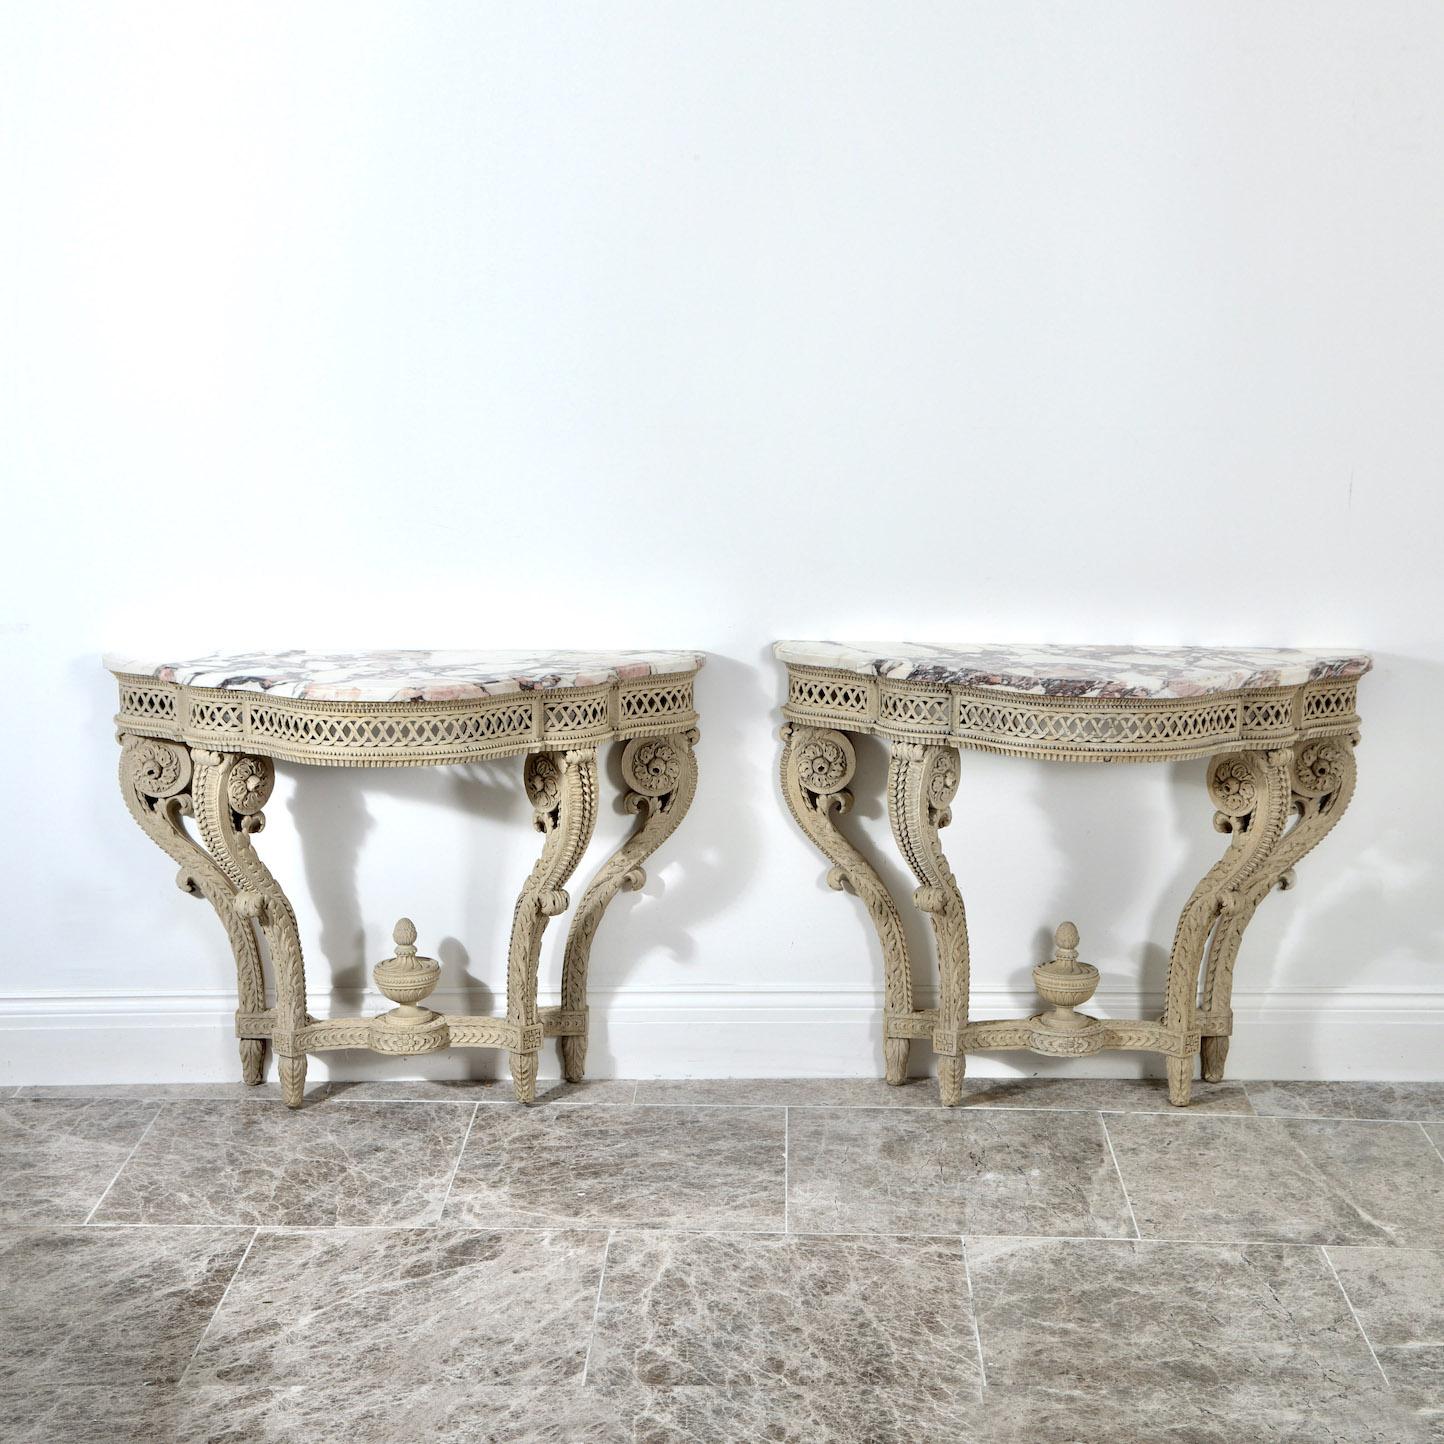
(108,1036)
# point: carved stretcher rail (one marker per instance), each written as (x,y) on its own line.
(1280,774)
(196,771)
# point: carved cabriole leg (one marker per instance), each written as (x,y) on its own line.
(661,778)
(230,791)
(1252,793)
(155,780)
(1322,779)
(562,788)
(922,782)
(817,765)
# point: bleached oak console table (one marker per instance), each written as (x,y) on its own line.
(1278,728)
(197,741)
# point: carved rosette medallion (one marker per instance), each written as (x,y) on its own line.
(1318,768)
(651,765)
(825,762)
(1234,786)
(159,769)
(940,777)
(248,788)
(542,777)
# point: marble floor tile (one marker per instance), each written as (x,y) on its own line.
(952,1171)
(849,1412)
(482,1090)
(145,1295)
(385,1333)
(58,1157)
(1398,1295)
(1420,1102)
(251,1163)
(90,1414)
(1434,1132)
(1251,1342)
(1289,1180)
(789,1092)
(1108,1095)
(237,1091)
(1089,1095)
(702,1168)
(738,1310)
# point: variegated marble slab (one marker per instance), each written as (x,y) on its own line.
(1050,670)
(404,676)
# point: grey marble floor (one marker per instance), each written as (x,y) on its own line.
(698,1262)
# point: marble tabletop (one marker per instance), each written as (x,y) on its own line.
(1053,670)
(405,676)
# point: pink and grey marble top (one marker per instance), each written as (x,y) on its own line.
(1049,670)
(406,676)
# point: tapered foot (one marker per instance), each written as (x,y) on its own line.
(574,1059)
(1214,1053)
(950,1079)
(523,1076)
(292,1072)
(253,1061)
(1180,1081)
(895,1059)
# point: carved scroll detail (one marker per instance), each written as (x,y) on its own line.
(1252,793)
(1321,777)
(661,779)
(156,780)
(817,764)
(230,791)
(922,782)
(562,787)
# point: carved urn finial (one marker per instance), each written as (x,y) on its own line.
(406,979)
(1066,984)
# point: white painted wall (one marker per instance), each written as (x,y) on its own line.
(678,324)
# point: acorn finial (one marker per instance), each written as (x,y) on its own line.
(1066,936)
(404,934)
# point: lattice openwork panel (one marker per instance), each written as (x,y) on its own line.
(657,702)
(1268,714)
(829,694)
(1326,702)
(209,716)
(579,714)
(154,703)
(917,711)
(1165,727)
(388,733)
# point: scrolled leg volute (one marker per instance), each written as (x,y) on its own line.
(660,778)
(231,788)
(562,789)
(1253,797)
(817,765)
(1321,777)
(922,782)
(158,783)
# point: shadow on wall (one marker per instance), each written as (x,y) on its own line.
(329,809)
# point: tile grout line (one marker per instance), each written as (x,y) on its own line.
(220,1302)
(143,1133)
(1430,1141)
(977,1332)
(1358,1322)
(1108,1139)
(597,1307)
(460,1154)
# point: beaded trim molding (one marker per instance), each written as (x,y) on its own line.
(1071,729)
(405,734)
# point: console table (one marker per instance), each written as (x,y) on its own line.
(1278,727)
(198,741)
